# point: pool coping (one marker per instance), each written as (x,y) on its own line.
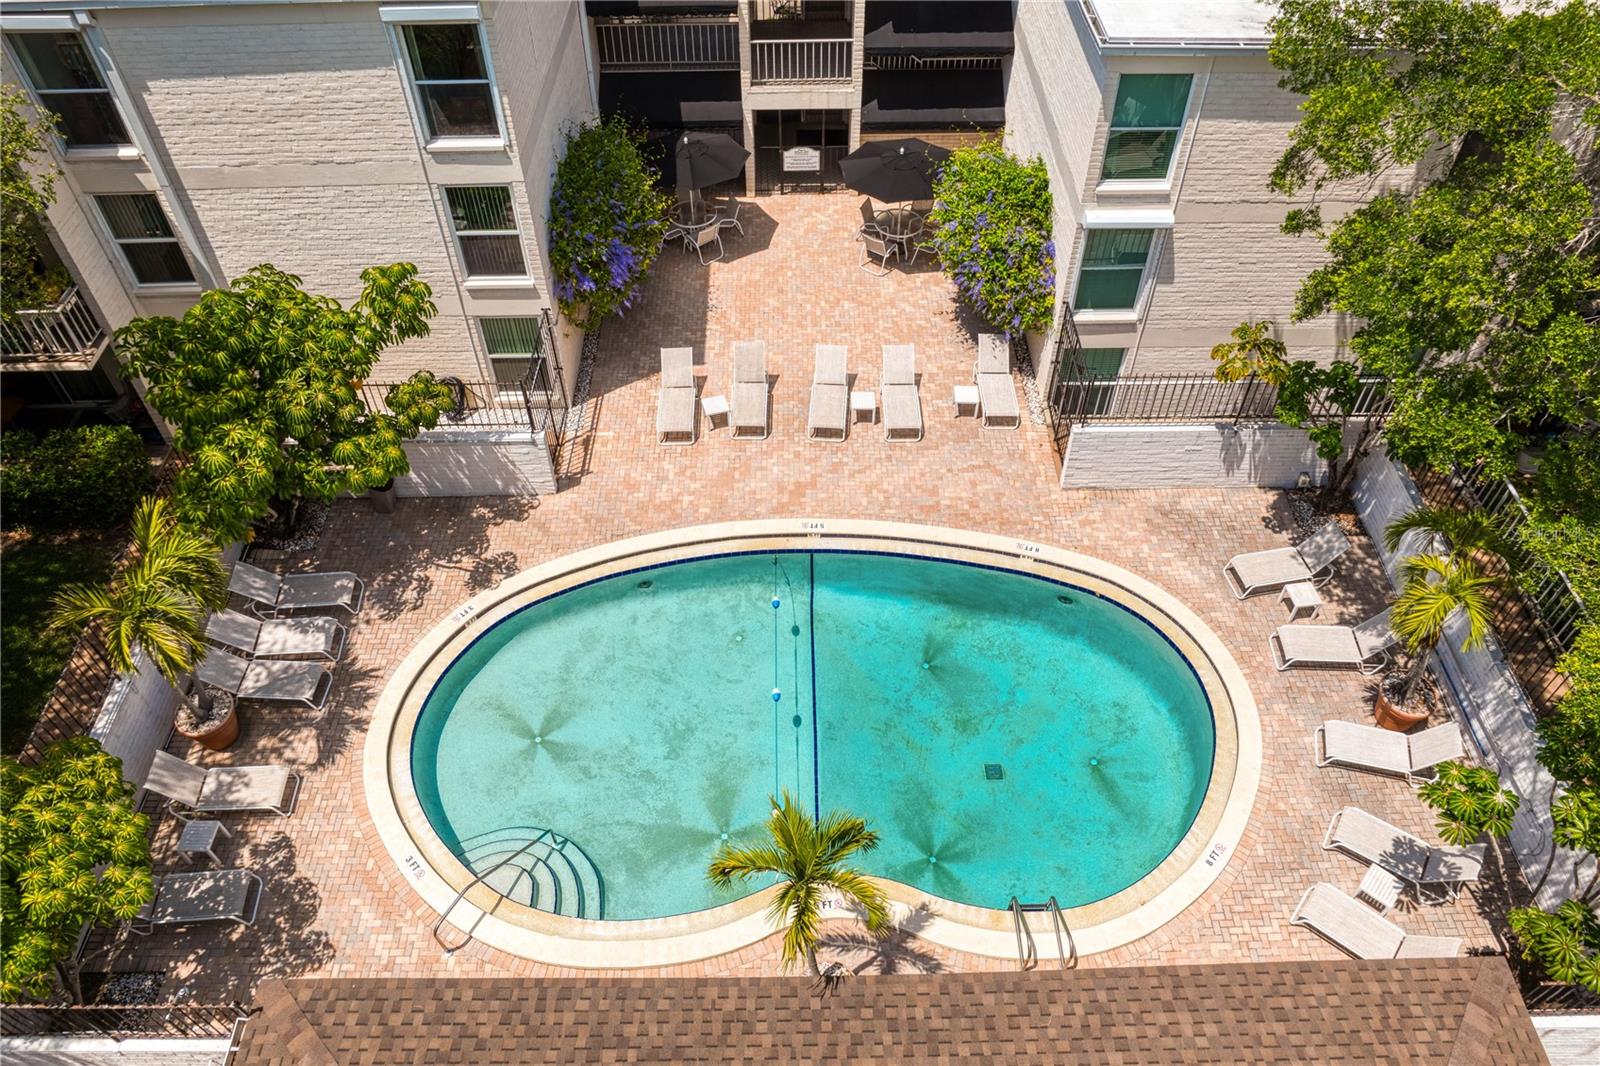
(437,876)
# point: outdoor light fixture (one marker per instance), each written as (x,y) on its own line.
(1304,480)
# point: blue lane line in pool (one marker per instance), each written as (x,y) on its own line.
(816,759)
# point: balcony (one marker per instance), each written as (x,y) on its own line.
(689,43)
(799,52)
(64,336)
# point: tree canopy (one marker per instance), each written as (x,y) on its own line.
(1476,276)
(262,382)
(75,852)
(27,189)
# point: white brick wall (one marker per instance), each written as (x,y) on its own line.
(1191,456)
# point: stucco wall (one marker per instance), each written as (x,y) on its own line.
(1188,456)
(478,464)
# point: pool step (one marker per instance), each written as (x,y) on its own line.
(554,874)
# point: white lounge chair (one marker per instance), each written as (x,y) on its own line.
(192,789)
(278,638)
(201,896)
(1365,646)
(830,394)
(1368,837)
(1365,747)
(997,393)
(277,680)
(1311,560)
(675,414)
(748,411)
(1362,931)
(902,406)
(269,595)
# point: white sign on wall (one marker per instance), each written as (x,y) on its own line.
(802,159)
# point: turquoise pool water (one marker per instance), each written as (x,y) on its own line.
(1004,734)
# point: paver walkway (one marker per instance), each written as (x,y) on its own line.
(336,905)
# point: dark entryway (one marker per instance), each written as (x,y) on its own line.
(825,132)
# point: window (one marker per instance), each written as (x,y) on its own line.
(1097,369)
(1145,124)
(140,229)
(451,73)
(486,231)
(516,352)
(1113,269)
(67,82)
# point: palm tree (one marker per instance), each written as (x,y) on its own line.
(157,601)
(808,856)
(1436,586)
(1466,532)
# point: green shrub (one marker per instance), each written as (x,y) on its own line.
(84,478)
(607,219)
(991,221)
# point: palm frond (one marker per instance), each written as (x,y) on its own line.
(740,864)
(799,903)
(1435,587)
(865,892)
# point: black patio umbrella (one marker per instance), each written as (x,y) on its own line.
(707,158)
(894,171)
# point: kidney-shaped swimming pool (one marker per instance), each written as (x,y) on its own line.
(1006,735)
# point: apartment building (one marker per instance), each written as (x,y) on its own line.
(819,74)
(198,140)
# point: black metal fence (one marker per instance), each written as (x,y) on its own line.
(181,1021)
(519,405)
(1546,998)
(1540,618)
(1176,398)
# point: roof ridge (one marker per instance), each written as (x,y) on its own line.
(281,1012)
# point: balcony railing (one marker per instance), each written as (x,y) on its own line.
(688,43)
(797,60)
(67,330)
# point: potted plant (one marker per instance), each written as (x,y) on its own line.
(1435,588)
(208,717)
(382,497)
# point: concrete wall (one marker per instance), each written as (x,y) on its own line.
(1496,716)
(1188,456)
(135,719)
(464,463)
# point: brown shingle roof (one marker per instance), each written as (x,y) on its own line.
(1448,1012)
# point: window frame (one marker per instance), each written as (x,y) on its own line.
(1145,184)
(127,266)
(126,148)
(418,106)
(540,384)
(469,279)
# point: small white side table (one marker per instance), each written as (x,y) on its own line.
(199,837)
(967,396)
(713,406)
(1301,598)
(864,403)
(1380,888)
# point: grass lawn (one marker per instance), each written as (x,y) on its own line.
(30,658)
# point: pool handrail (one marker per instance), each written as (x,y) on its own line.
(476,880)
(1028,954)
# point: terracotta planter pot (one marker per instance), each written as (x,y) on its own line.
(1396,718)
(219,736)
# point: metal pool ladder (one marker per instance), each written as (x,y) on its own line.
(1027,950)
(478,879)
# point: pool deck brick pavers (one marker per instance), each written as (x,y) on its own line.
(336,904)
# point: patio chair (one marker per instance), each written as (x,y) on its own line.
(1383,751)
(997,393)
(869,221)
(272,680)
(748,408)
(902,406)
(675,415)
(1365,646)
(1311,560)
(200,896)
(881,247)
(192,789)
(830,395)
(727,209)
(703,238)
(1363,932)
(1373,840)
(278,638)
(269,595)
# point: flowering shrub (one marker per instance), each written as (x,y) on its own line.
(606,221)
(991,229)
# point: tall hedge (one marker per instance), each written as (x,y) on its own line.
(89,477)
